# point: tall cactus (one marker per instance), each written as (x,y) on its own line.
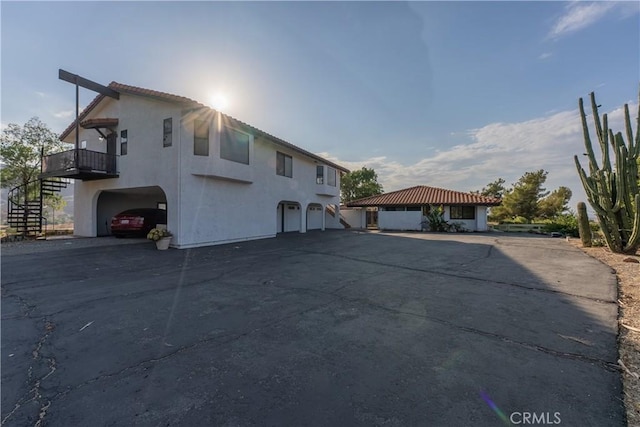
(612,191)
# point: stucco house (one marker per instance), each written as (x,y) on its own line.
(220,180)
(404,209)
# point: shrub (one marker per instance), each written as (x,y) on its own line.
(566,224)
(435,219)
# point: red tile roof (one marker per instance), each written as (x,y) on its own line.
(424,195)
(187,102)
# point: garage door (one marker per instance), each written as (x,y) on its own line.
(314,217)
(291,217)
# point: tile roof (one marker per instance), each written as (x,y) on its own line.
(187,102)
(424,195)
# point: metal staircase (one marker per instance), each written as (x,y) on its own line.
(25,205)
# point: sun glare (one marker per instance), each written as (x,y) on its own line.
(219,102)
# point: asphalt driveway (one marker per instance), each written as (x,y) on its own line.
(333,328)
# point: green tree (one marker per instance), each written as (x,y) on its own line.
(358,184)
(527,199)
(494,189)
(554,204)
(20,151)
(54,203)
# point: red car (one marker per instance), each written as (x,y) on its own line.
(137,222)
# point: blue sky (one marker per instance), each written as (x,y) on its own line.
(450,94)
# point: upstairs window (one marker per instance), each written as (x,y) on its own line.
(319,174)
(284,165)
(463,212)
(200,137)
(234,145)
(331,176)
(123,142)
(167,132)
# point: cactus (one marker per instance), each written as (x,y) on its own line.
(583,225)
(612,190)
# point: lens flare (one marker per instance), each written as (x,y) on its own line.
(495,408)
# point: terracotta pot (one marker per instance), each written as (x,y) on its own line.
(163,244)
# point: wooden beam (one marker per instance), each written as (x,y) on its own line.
(88,84)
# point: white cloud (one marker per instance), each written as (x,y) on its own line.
(497,150)
(579,15)
(545,55)
(41,94)
(64,114)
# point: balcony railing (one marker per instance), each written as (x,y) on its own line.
(81,164)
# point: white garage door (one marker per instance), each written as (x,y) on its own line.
(314,217)
(291,217)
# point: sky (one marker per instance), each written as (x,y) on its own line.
(447,94)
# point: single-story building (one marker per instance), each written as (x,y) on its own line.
(406,209)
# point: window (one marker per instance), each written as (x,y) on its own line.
(167,133)
(234,145)
(123,142)
(200,137)
(319,174)
(284,165)
(413,209)
(463,212)
(331,176)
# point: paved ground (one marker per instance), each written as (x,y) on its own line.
(334,328)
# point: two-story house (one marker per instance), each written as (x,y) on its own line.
(220,180)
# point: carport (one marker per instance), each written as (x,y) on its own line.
(111,202)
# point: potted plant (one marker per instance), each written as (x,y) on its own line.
(161,236)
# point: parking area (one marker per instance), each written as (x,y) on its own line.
(323,328)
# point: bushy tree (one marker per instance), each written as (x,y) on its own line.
(358,184)
(527,199)
(20,151)
(554,204)
(494,189)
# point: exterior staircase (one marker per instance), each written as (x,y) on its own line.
(25,205)
(332,212)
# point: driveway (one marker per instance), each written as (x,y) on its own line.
(324,328)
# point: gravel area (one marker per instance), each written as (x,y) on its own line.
(628,274)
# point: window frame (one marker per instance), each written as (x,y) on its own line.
(332,176)
(281,168)
(167,133)
(226,130)
(199,147)
(319,174)
(458,212)
(124,142)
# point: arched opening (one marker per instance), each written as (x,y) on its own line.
(112,202)
(315,217)
(288,217)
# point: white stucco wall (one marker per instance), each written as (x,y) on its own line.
(354,216)
(315,216)
(224,208)
(399,220)
(209,200)
(481,218)
(147,162)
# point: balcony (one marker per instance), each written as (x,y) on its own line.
(80,164)
(327,190)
